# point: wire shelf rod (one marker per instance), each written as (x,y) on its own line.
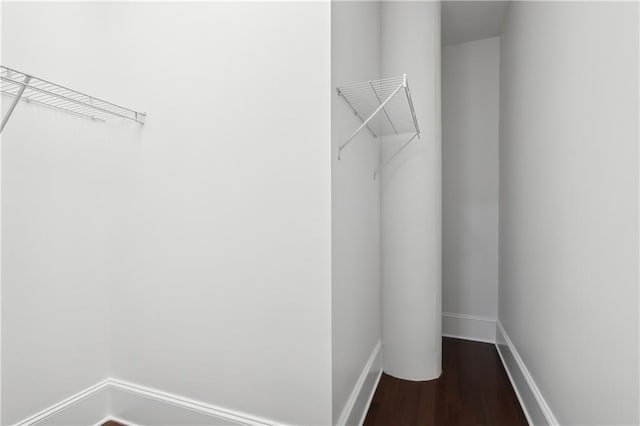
(74,91)
(5,119)
(413,111)
(79,113)
(383,91)
(357,114)
(30,87)
(369,98)
(359,129)
(391,80)
(383,109)
(23,86)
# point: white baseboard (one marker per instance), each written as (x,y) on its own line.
(137,404)
(355,410)
(533,403)
(469,327)
(84,408)
(133,404)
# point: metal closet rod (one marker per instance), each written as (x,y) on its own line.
(44,92)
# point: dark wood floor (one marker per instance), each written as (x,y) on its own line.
(473,390)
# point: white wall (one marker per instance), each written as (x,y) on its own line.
(226,298)
(61,186)
(355,294)
(411,198)
(470,112)
(569,204)
(216,249)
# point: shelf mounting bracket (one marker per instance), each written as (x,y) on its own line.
(372,115)
(27,79)
(369,98)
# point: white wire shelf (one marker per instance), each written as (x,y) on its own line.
(28,88)
(384,107)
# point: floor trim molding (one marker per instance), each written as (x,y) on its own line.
(190,404)
(357,405)
(370,398)
(64,404)
(469,327)
(533,404)
(168,401)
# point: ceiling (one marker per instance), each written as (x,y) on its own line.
(464,21)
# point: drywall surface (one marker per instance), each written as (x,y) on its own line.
(569,204)
(226,295)
(61,189)
(465,21)
(355,294)
(411,198)
(470,110)
(209,226)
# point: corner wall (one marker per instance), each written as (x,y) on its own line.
(192,255)
(569,204)
(62,184)
(355,290)
(470,188)
(227,294)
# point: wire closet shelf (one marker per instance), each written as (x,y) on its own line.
(28,88)
(392,98)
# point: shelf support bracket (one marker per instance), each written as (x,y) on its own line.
(366,122)
(18,95)
(375,92)
(356,113)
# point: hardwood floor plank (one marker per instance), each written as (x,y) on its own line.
(473,390)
